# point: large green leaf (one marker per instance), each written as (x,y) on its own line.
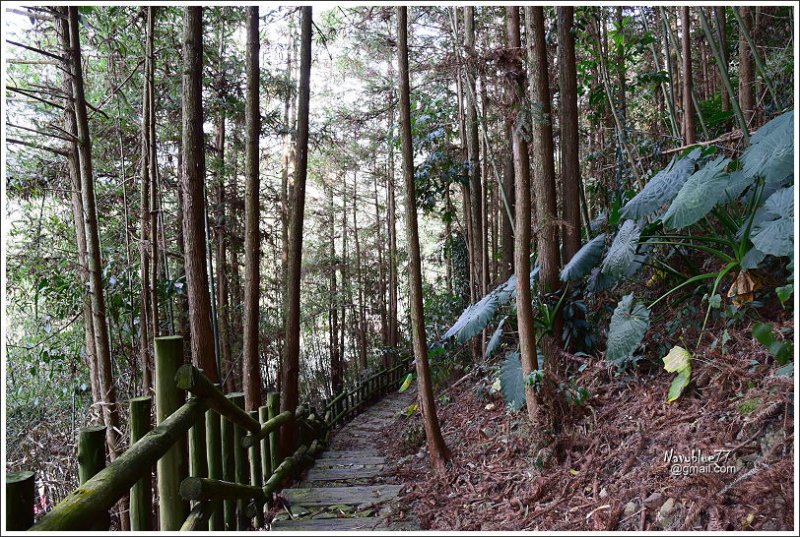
(705,189)
(628,326)
(479,315)
(496,337)
(774,232)
(511,382)
(771,150)
(584,259)
(662,187)
(622,251)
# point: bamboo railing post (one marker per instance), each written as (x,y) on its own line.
(19,498)
(256,478)
(240,464)
(273,406)
(141,506)
(168,358)
(91,460)
(216,521)
(198,459)
(228,470)
(266,460)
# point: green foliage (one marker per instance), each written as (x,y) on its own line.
(662,187)
(782,350)
(622,251)
(479,315)
(406,383)
(628,326)
(511,381)
(708,187)
(585,259)
(773,230)
(494,342)
(679,360)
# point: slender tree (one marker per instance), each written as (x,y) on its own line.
(291,362)
(108,398)
(746,71)
(722,35)
(437,449)
(689,134)
(251,368)
(568,122)
(515,76)
(194,206)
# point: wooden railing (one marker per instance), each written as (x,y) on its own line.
(233,465)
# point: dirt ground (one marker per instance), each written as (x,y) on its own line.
(613,468)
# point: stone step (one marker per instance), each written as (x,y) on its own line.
(339,474)
(349,454)
(341,524)
(346,462)
(357,495)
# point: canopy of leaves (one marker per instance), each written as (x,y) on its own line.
(628,326)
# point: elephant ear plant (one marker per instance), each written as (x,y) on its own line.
(738,211)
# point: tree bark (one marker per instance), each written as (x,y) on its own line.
(291,361)
(361,324)
(251,368)
(73,168)
(568,122)
(391,217)
(689,134)
(473,156)
(515,76)
(194,211)
(439,454)
(337,373)
(108,399)
(746,70)
(722,35)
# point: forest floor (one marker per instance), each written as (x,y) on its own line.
(614,469)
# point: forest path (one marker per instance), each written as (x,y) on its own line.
(351,486)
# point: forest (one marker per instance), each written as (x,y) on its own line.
(349,268)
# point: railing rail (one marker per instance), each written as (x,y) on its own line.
(233,474)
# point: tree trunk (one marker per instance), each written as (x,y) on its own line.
(722,35)
(194,211)
(515,76)
(746,71)
(152,179)
(379,245)
(621,72)
(568,122)
(391,217)
(73,167)
(93,261)
(251,368)
(689,135)
(361,324)
(337,373)
(473,156)
(436,447)
(291,361)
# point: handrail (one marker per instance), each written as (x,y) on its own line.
(191,379)
(271,425)
(79,509)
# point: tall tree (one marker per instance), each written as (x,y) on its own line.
(473,156)
(689,134)
(569,143)
(194,206)
(108,398)
(391,217)
(746,70)
(722,35)
(437,449)
(251,368)
(291,362)
(515,75)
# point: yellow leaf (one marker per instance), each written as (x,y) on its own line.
(677,359)
(574,472)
